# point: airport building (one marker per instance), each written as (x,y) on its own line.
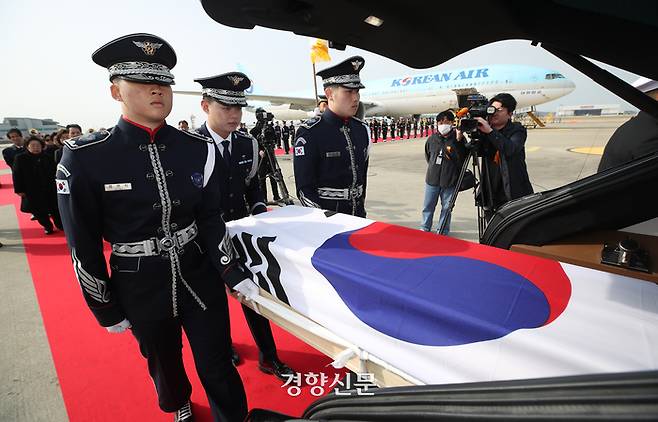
(24,124)
(590,110)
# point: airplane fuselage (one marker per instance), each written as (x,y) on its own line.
(437,90)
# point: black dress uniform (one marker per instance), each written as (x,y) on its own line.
(277,131)
(154,196)
(377,130)
(241,193)
(331,152)
(285,134)
(292,131)
(10,153)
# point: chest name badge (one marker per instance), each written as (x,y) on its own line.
(112,187)
(333,154)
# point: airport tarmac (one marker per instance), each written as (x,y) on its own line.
(396,176)
(28,385)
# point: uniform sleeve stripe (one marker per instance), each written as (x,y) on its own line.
(92,286)
(254,163)
(210,164)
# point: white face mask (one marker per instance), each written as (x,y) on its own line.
(444,129)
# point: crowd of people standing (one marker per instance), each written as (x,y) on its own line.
(384,129)
(33,162)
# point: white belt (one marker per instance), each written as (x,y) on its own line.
(340,194)
(155,246)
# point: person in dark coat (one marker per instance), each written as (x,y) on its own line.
(636,137)
(285,135)
(444,153)
(34,182)
(9,153)
(277,132)
(292,130)
(505,168)
(58,140)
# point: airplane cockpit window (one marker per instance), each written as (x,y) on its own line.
(554,76)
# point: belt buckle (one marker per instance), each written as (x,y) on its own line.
(167,243)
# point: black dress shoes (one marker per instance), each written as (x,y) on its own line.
(276,368)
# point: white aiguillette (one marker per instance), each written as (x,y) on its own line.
(110,187)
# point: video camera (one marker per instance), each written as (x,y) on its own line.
(263,131)
(263,116)
(478,106)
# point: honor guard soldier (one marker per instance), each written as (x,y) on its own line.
(160,209)
(223,99)
(292,130)
(331,150)
(285,135)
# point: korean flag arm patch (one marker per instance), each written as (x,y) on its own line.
(299,151)
(62,187)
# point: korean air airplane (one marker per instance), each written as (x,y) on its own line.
(432,91)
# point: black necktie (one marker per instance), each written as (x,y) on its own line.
(227,153)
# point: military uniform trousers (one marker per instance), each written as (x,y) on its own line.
(208,332)
(261,331)
(286,144)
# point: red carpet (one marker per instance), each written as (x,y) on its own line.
(103,377)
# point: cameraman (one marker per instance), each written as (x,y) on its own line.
(266,137)
(505,167)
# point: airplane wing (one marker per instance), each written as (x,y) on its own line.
(296,103)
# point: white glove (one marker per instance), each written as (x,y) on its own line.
(247,288)
(120,327)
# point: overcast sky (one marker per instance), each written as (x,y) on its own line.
(47,70)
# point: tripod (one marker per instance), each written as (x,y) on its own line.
(483,197)
(276,175)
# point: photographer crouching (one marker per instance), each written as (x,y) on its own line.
(506,167)
(266,136)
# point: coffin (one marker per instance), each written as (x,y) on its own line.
(416,308)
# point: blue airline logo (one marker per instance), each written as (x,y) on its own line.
(441,77)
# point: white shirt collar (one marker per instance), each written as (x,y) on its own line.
(218,139)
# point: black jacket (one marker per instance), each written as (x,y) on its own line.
(633,139)
(444,157)
(34,175)
(10,153)
(134,184)
(239,187)
(509,174)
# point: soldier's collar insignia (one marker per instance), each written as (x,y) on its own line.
(356,64)
(235,79)
(149,48)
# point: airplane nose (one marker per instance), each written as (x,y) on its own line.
(570,86)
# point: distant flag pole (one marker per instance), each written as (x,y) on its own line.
(319,53)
